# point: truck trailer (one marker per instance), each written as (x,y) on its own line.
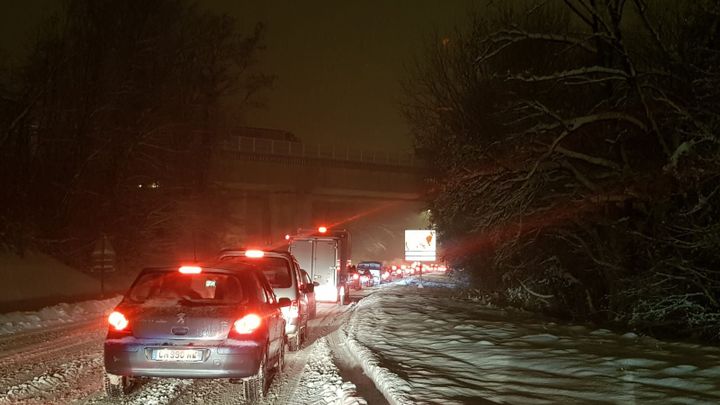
(324,254)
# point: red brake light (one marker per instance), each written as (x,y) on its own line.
(287,237)
(247,324)
(322,229)
(118,321)
(190,270)
(356,276)
(255,254)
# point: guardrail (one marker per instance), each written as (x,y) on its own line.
(260,146)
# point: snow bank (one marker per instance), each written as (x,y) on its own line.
(426,345)
(321,382)
(14,322)
(389,384)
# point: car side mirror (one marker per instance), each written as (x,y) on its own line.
(310,288)
(315,283)
(284,302)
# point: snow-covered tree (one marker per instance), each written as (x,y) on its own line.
(576,156)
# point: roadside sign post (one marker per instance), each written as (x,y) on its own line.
(420,246)
(103,258)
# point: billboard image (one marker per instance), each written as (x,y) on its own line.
(420,245)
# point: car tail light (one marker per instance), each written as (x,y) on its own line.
(292,311)
(247,324)
(118,321)
(190,270)
(255,254)
(356,276)
(385,275)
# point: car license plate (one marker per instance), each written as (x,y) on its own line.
(177,355)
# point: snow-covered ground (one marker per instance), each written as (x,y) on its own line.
(425,345)
(14,322)
(55,356)
(321,382)
(400,344)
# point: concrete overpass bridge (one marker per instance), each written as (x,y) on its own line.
(278,186)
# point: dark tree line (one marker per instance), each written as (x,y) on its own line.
(108,127)
(576,158)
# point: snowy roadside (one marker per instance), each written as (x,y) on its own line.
(14,322)
(321,382)
(68,366)
(425,345)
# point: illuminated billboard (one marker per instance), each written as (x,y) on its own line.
(420,245)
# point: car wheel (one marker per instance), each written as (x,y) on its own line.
(295,341)
(116,386)
(256,385)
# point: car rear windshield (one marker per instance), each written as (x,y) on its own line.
(204,288)
(275,269)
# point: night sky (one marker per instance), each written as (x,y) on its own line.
(338,62)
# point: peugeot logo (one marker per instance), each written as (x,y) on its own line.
(181,317)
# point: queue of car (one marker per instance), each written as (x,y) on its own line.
(196,322)
(232,318)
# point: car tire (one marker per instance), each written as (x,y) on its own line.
(295,342)
(116,386)
(256,385)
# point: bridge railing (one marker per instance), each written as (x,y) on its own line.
(260,146)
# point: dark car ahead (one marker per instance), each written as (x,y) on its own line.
(376,271)
(196,322)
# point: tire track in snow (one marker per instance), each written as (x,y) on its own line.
(146,392)
(57,384)
(35,361)
(351,370)
(24,344)
(321,383)
(286,387)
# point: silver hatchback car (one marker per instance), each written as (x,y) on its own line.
(196,322)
